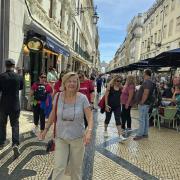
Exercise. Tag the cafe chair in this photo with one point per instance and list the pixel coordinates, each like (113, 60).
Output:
(168, 115)
(177, 118)
(154, 115)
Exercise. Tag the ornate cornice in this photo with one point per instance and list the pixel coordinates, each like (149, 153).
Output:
(40, 15)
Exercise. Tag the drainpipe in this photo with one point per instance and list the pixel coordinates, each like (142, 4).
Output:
(4, 31)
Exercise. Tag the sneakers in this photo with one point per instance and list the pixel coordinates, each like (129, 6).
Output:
(35, 129)
(121, 138)
(16, 151)
(136, 138)
(129, 130)
(105, 134)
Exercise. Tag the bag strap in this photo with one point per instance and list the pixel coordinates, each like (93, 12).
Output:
(56, 104)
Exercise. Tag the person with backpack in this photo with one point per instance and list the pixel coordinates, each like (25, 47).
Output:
(144, 99)
(113, 104)
(127, 96)
(41, 92)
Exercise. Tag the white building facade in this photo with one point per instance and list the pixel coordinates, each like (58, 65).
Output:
(150, 33)
(65, 28)
(161, 29)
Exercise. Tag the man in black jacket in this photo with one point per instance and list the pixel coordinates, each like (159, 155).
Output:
(10, 84)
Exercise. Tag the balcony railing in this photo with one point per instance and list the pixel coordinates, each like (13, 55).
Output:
(82, 53)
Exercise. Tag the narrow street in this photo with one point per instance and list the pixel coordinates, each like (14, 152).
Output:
(156, 157)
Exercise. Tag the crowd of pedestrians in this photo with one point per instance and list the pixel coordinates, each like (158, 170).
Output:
(68, 102)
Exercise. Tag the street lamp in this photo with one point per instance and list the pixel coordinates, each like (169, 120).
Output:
(81, 10)
(95, 18)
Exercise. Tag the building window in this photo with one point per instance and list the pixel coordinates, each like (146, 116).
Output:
(170, 27)
(166, 10)
(151, 39)
(145, 45)
(149, 42)
(159, 35)
(161, 15)
(81, 13)
(142, 45)
(152, 23)
(173, 2)
(51, 9)
(157, 19)
(178, 24)
(155, 37)
(61, 14)
(164, 31)
(73, 33)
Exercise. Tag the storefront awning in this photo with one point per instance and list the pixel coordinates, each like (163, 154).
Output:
(56, 47)
(35, 30)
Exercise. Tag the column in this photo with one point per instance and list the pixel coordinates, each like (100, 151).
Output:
(4, 31)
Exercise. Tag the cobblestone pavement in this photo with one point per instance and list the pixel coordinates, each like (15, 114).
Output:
(156, 157)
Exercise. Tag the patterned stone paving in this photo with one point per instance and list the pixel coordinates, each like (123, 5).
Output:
(106, 169)
(157, 157)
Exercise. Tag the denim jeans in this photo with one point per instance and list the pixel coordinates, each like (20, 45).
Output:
(14, 121)
(143, 120)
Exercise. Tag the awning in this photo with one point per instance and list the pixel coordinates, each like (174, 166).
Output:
(56, 47)
(165, 59)
(35, 30)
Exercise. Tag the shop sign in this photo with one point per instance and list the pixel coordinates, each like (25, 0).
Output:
(35, 44)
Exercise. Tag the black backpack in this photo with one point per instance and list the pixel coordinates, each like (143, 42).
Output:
(155, 96)
(40, 93)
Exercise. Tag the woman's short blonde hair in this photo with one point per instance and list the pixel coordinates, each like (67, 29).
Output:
(114, 79)
(67, 76)
(131, 79)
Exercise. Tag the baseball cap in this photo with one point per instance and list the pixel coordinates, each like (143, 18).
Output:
(10, 62)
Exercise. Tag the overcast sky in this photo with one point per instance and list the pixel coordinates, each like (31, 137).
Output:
(114, 18)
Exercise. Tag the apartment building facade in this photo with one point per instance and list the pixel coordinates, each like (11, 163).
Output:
(43, 33)
(150, 33)
(161, 29)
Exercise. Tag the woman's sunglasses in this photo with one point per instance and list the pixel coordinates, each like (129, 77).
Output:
(43, 77)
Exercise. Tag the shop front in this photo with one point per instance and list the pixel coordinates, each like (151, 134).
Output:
(41, 51)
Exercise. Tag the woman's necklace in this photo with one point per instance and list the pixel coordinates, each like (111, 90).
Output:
(66, 119)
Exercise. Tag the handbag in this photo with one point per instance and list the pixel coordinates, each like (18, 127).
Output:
(51, 143)
(101, 104)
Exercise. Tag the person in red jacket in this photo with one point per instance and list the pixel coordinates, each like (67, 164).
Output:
(57, 86)
(86, 88)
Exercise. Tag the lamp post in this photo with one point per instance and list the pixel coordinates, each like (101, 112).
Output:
(82, 10)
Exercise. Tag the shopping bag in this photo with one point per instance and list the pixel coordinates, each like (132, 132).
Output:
(101, 104)
(51, 143)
